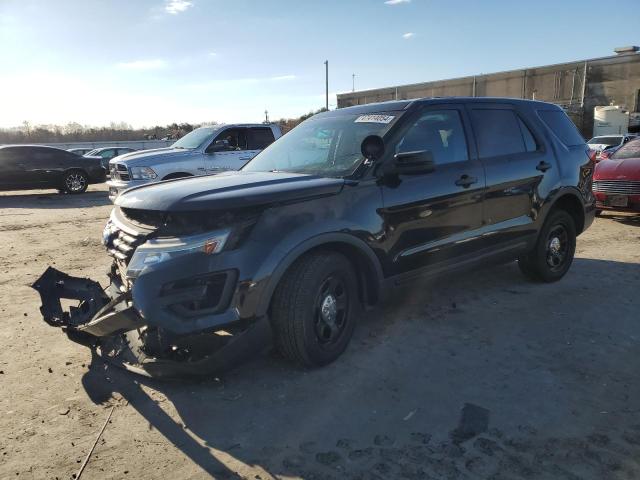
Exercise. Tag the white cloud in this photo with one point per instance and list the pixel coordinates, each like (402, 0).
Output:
(283, 77)
(143, 65)
(175, 7)
(396, 2)
(213, 54)
(408, 35)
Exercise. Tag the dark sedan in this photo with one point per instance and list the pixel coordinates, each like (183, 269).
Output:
(24, 167)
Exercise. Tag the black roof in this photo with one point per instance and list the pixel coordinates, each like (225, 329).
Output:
(395, 105)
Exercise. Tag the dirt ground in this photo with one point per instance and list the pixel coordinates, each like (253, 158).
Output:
(481, 375)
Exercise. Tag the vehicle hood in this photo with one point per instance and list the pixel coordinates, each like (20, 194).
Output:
(627, 169)
(145, 158)
(229, 190)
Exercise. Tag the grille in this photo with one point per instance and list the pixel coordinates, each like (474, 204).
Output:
(120, 172)
(622, 187)
(121, 245)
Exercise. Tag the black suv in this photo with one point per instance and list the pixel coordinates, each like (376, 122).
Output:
(24, 167)
(322, 224)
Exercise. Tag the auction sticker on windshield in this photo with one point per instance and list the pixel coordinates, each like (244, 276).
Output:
(374, 119)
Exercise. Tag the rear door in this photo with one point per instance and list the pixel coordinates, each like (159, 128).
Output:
(433, 219)
(519, 168)
(232, 158)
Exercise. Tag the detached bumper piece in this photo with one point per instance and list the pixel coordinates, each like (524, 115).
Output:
(97, 315)
(111, 325)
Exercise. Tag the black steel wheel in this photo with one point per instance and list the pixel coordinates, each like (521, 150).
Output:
(314, 309)
(553, 254)
(75, 181)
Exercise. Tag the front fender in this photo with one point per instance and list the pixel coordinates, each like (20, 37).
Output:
(276, 265)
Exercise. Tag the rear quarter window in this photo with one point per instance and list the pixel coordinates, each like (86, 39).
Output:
(562, 127)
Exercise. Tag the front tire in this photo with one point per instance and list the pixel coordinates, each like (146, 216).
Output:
(553, 254)
(75, 181)
(314, 309)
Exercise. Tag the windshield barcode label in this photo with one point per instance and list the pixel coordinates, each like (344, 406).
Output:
(374, 119)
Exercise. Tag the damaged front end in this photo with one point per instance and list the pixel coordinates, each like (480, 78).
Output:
(170, 307)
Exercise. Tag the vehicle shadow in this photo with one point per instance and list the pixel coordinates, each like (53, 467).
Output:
(54, 200)
(392, 402)
(626, 219)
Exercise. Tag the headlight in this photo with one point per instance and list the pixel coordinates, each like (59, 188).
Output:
(143, 173)
(156, 251)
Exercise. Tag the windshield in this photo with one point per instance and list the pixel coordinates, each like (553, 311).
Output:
(605, 141)
(325, 146)
(630, 150)
(194, 139)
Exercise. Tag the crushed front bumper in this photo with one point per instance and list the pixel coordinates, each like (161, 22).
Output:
(108, 321)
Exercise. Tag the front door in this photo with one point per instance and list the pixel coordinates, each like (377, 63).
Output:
(233, 157)
(433, 219)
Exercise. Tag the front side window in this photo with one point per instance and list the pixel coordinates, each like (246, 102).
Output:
(497, 132)
(628, 150)
(440, 132)
(326, 146)
(235, 137)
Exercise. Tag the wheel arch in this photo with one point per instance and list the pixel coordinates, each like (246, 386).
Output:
(366, 266)
(569, 201)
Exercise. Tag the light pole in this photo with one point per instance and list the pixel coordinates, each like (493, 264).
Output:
(353, 79)
(326, 84)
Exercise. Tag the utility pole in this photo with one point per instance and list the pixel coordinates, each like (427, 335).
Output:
(353, 79)
(326, 85)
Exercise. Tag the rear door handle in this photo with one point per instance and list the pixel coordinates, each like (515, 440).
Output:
(543, 166)
(466, 181)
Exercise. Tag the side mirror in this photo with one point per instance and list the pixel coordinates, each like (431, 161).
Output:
(413, 163)
(219, 146)
(372, 148)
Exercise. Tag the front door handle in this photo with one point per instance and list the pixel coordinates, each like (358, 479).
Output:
(543, 166)
(466, 181)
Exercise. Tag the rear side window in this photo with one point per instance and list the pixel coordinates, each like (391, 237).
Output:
(562, 127)
(500, 132)
(260, 138)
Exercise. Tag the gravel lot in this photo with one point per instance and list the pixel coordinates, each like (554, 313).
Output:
(481, 375)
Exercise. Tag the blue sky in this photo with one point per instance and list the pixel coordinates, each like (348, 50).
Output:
(149, 62)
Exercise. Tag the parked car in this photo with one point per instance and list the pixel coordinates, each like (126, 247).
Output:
(606, 142)
(107, 153)
(24, 167)
(203, 151)
(616, 184)
(324, 223)
(79, 151)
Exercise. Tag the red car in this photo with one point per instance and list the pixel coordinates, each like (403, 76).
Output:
(616, 180)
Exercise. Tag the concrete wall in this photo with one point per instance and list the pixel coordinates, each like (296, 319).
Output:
(608, 80)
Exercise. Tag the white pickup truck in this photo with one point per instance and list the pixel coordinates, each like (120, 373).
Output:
(204, 151)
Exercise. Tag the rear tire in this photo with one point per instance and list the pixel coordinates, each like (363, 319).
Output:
(314, 309)
(553, 254)
(75, 181)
